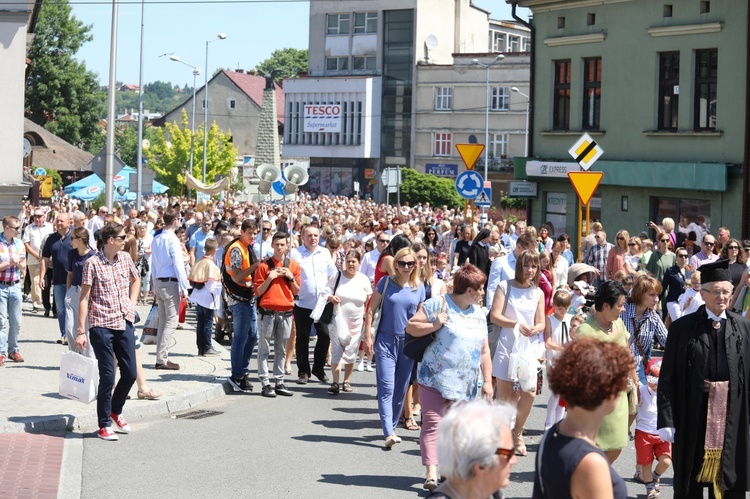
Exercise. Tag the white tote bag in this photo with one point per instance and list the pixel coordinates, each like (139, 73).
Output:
(340, 327)
(79, 377)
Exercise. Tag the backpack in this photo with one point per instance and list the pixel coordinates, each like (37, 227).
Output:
(237, 291)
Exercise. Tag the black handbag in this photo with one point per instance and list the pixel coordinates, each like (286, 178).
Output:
(327, 316)
(415, 346)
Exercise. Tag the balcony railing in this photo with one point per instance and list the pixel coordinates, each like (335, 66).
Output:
(503, 165)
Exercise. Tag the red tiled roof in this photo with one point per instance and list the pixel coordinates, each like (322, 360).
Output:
(253, 86)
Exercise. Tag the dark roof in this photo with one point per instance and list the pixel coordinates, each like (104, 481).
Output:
(50, 151)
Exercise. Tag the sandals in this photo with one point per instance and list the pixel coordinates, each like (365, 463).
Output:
(518, 443)
(149, 395)
(346, 387)
(410, 424)
(430, 484)
(334, 389)
(391, 441)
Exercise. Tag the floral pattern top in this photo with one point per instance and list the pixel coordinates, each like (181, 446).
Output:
(451, 363)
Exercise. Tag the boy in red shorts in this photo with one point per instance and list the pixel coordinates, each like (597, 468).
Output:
(648, 445)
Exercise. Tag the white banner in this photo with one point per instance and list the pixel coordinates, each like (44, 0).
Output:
(322, 118)
(550, 169)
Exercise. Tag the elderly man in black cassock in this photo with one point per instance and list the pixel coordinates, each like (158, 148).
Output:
(703, 394)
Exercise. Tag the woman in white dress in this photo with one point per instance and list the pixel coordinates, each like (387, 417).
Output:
(353, 291)
(518, 308)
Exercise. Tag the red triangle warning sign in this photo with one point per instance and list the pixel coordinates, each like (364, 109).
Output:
(585, 184)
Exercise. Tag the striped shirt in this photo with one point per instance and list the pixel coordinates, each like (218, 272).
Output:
(109, 304)
(700, 258)
(597, 258)
(644, 330)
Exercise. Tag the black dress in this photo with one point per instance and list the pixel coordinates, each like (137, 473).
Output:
(462, 250)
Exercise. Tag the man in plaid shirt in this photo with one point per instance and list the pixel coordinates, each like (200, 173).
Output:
(12, 262)
(110, 287)
(597, 256)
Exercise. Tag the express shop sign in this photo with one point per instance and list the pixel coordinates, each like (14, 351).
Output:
(322, 118)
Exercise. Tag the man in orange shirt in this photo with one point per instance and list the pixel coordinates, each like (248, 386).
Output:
(276, 282)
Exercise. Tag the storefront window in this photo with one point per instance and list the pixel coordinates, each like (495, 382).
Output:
(688, 214)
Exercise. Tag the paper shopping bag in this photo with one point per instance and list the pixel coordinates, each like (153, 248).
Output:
(183, 311)
(79, 377)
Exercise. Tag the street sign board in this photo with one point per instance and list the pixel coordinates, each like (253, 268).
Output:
(521, 189)
(585, 151)
(469, 184)
(391, 177)
(484, 198)
(441, 170)
(40, 172)
(585, 183)
(470, 153)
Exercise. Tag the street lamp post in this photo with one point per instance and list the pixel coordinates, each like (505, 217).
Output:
(526, 135)
(498, 58)
(220, 36)
(196, 72)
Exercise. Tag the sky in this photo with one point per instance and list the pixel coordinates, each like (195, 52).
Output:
(254, 29)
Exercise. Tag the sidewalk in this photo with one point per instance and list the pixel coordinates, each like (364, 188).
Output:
(29, 390)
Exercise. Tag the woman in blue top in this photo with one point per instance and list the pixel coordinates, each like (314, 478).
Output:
(588, 376)
(77, 257)
(457, 362)
(401, 293)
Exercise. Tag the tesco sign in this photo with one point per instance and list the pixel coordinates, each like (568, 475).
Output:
(322, 118)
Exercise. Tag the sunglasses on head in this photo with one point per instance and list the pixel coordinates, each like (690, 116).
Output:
(405, 265)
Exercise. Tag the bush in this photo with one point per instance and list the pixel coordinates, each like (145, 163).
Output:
(426, 188)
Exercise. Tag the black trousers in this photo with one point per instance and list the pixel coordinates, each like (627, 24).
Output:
(304, 325)
(47, 290)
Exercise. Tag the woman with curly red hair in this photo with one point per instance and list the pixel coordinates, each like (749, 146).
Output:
(588, 376)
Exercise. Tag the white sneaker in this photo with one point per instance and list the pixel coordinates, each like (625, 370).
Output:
(369, 368)
(361, 366)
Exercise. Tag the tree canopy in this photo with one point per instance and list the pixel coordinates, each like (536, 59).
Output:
(426, 188)
(290, 61)
(168, 153)
(61, 94)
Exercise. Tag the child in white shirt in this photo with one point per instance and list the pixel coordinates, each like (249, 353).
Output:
(691, 299)
(557, 332)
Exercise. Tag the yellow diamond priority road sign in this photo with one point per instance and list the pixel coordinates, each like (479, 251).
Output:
(586, 151)
(470, 153)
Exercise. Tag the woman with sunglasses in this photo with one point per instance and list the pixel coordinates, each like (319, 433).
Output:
(518, 308)
(662, 258)
(431, 240)
(733, 251)
(385, 265)
(588, 376)
(616, 256)
(401, 294)
(77, 257)
(632, 259)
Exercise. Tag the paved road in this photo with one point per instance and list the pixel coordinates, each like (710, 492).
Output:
(309, 444)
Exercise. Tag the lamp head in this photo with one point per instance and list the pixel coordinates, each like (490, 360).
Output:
(222, 36)
(514, 89)
(499, 57)
(475, 61)
(175, 58)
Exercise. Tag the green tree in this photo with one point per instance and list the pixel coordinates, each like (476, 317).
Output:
(169, 153)
(61, 94)
(426, 188)
(290, 61)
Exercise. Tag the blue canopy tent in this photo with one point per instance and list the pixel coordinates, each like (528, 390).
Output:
(80, 189)
(88, 193)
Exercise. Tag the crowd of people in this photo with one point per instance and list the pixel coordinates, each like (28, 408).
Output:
(445, 310)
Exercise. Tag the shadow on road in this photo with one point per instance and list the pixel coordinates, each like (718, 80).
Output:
(380, 481)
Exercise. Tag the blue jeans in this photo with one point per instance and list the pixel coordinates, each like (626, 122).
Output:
(108, 344)
(59, 292)
(11, 300)
(204, 328)
(244, 338)
(392, 375)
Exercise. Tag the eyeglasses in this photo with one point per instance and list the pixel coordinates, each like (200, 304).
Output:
(406, 265)
(383, 241)
(597, 237)
(682, 255)
(267, 229)
(735, 248)
(719, 292)
(632, 244)
(121, 238)
(506, 453)
(709, 244)
(620, 238)
(664, 240)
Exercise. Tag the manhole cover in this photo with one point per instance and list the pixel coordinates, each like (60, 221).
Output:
(198, 414)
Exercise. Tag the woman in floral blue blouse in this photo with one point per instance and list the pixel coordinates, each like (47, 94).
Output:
(456, 365)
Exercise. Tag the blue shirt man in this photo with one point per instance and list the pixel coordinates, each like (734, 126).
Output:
(198, 241)
(55, 253)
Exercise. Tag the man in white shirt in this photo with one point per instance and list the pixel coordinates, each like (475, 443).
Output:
(98, 221)
(32, 239)
(317, 267)
(170, 283)
(263, 242)
(370, 260)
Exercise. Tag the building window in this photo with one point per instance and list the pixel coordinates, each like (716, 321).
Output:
(669, 89)
(337, 63)
(337, 24)
(705, 7)
(443, 98)
(706, 66)
(443, 144)
(365, 22)
(560, 23)
(498, 42)
(592, 92)
(366, 63)
(527, 44)
(590, 19)
(667, 11)
(232, 104)
(500, 99)
(499, 145)
(561, 106)
(514, 43)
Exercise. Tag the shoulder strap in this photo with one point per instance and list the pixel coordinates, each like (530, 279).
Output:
(565, 334)
(336, 286)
